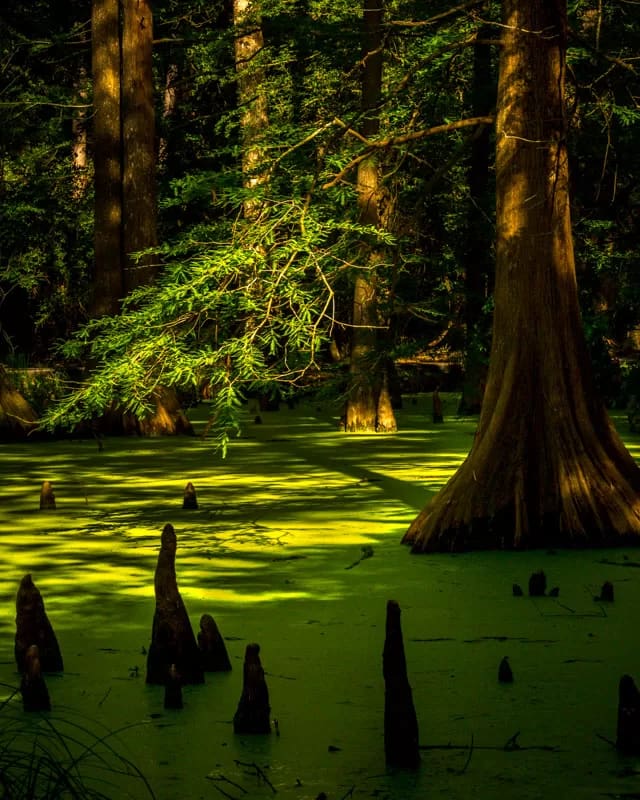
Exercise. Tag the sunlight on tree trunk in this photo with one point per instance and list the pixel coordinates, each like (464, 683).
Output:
(252, 99)
(79, 158)
(169, 108)
(547, 467)
(17, 417)
(368, 403)
(107, 285)
(138, 137)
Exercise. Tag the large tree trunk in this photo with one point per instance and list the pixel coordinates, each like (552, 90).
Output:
(364, 412)
(107, 284)
(138, 138)
(547, 467)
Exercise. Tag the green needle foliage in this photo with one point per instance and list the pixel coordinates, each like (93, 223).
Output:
(251, 313)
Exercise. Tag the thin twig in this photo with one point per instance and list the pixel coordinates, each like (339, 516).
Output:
(105, 695)
(220, 778)
(259, 773)
(608, 741)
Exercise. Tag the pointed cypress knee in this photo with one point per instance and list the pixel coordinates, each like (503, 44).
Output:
(172, 637)
(628, 732)
(401, 739)
(212, 646)
(190, 500)
(33, 627)
(253, 712)
(537, 584)
(606, 593)
(505, 673)
(47, 497)
(35, 695)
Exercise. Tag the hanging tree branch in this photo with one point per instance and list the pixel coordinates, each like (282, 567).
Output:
(394, 141)
(451, 12)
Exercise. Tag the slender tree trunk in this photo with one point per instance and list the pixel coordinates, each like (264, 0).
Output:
(169, 107)
(79, 157)
(138, 135)
(125, 182)
(368, 404)
(252, 99)
(547, 467)
(107, 285)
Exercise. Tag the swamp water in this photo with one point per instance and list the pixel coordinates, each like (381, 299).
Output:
(274, 554)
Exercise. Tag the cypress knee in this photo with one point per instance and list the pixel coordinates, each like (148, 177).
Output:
(606, 593)
(47, 497)
(212, 646)
(172, 637)
(437, 406)
(33, 628)
(628, 730)
(35, 695)
(401, 739)
(173, 689)
(190, 500)
(252, 714)
(537, 584)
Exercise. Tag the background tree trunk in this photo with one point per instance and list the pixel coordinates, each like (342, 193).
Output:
(252, 99)
(107, 283)
(79, 158)
(138, 136)
(366, 368)
(17, 417)
(547, 467)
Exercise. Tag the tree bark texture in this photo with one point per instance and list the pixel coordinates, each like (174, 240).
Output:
(34, 628)
(35, 695)
(546, 467)
(138, 134)
(17, 417)
(252, 99)
(107, 288)
(79, 156)
(366, 368)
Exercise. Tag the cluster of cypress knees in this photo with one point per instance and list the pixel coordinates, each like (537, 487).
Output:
(628, 722)
(176, 658)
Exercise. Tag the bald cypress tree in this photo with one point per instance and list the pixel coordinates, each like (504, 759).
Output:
(547, 466)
